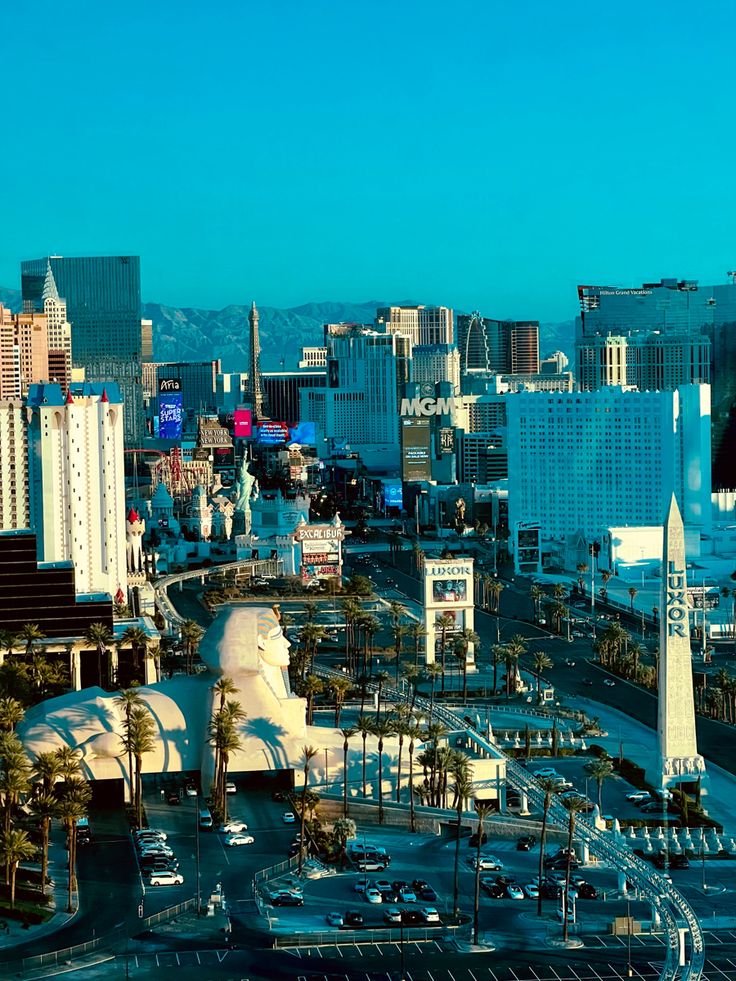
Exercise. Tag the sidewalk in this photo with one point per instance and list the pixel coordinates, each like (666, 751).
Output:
(14, 932)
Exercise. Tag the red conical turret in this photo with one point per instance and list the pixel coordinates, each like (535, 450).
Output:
(69, 399)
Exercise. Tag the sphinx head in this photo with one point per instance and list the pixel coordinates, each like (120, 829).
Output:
(241, 638)
(272, 644)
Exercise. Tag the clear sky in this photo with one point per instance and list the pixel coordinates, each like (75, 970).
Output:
(481, 154)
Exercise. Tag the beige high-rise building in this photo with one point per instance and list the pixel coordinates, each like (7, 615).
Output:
(9, 358)
(424, 325)
(14, 506)
(32, 341)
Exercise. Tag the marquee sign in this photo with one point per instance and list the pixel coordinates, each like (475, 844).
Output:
(676, 616)
(320, 533)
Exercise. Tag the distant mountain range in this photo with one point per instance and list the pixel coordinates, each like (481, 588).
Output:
(191, 334)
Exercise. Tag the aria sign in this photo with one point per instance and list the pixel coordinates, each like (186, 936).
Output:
(676, 613)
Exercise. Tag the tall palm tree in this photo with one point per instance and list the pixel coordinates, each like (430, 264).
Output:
(30, 634)
(464, 639)
(633, 593)
(70, 762)
(347, 733)
(433, 670)
(383, 728)
(400, 721)
(444, 623)
(225, 737)
(549, 787)
(340, 688)
(139, 740)
(365, 726)
(416, 632)
(382, 677)
(311, 687)
(510, 658)
(574, 805)
(15, 847)
(9, 640)
(44, 808)
(47, 769)
(600, 769)
(100, 637)
(415, 734)
(483, 809)
(14, 782)
(498, 656)
(11, 713)
(311, 635)
(127, 700)
(412, 675)
(138, 640)
(542, 662)
(223, 687)
(73, 805)
(308, 754)
(191, 634)
(463, 788)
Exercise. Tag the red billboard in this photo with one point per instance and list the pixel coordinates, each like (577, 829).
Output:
(243, 423)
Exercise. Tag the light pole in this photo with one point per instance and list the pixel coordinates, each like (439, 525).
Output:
(629, 969)
(196, 852)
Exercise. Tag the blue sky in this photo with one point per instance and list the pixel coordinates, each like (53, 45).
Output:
(481, 154)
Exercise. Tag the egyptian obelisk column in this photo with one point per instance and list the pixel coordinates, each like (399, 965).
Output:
(677, 758)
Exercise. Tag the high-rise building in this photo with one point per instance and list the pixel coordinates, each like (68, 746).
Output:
(14, 505)
(677, 308)
(254, 391)
(282, 391)
(198, 383)
(103, 305)
(585, 461)
(647, 361)
(26, 353)
(76, 482)
(423, 325)
(498, 346)
(433, 363)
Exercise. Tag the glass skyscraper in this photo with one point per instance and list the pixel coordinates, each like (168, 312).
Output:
(103, 301)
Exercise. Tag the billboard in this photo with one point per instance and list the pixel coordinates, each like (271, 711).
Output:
(416, 458)
(447, 439)
(272, 432)
(242, 423)
(321, 551)
(170, 408)
(393, 495)
(449, 591)
(304, 433)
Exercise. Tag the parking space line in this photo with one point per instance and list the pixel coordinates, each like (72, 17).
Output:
(715, 937)
(492, 974)
(357, 947)
(472, 975)
(430, 975)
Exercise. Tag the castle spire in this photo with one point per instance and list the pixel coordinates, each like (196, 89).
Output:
(254, 391)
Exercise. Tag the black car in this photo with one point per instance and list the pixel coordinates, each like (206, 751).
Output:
(587, 891)
(159, 865)
(353, 918)
(560, 864)
(587, 682)
(411, 917)
(173, 799)
(551, 890)
(493, 890)
(473, 839)
(287, 899)
(428, 894)
(278, 795)
(505, 880)
(419, 884)
(526, 843)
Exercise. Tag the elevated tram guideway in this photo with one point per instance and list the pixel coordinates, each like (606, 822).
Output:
(685, 959)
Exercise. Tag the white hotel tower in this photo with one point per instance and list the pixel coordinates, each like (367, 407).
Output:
(76, 482)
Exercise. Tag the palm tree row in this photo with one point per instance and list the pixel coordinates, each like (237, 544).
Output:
(225, 736)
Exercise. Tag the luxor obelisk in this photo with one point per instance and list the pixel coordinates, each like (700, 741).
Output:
(677, 759)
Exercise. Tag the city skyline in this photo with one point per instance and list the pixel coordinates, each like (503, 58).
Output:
(370, 151)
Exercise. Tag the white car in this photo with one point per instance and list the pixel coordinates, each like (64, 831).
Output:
(289, 817)
(230, 788)
(486, 863)
(157, 846)
(407, 895)
(609, 682)
(430, 914)
(334, 919)
(151, 833)
(166, 878)
(392, 915)
(639, 795)
(548, 773)
(373, 895)
(232, 840)
(532, 890)
(514, 892)
(233, 827)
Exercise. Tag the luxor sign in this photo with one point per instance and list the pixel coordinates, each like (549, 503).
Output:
(447, 570)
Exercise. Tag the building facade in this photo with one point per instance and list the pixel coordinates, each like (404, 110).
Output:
(14, 502)
(432, 363)
(76, 482)
(498, 346)
(647, 361)
(422, 325)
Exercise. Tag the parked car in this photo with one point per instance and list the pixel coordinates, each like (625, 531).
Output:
(190, 788)
(230, 788)
(286, 899)
(334, 919)
(157, 851)
(373, 895)
(546, 773)
(362, 884)
(525, 843)
(167, 877)
(658, 807)
(238, 839)
(353, 918)
(392, 915)
(514, 891)
(407, 895)
(492, 889)
(428, 894)
(587, 891)
(429, 914)
(411, 917)
(531, 889)
(151, 833)
(550, 890)
(486, 863)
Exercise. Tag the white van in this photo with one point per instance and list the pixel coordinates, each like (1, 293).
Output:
(205, 818)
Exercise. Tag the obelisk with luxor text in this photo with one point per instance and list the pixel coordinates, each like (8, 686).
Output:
(677, 760)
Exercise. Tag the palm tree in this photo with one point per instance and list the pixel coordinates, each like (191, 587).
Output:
(582, 569)
(30, 634)
(340, 688)
(100, 636)
(482, 808)
(542, 662)
(365, 726)
(191, 634)
(138, 740)
(574, 805)
(600, 769)
(312, 686)
(224, 736)
(465, 638)
(548, 786)
(400, 727)
(633, 593)
(416, 632)
(44, 808)
(433, 670)
(498, 656)
(14, 781)
(412, 675)
(73, 805)
(311, 635)
(11, 713)
(383, 728)
(310, 611)
(308, 754)
(127, 700)
(347, 734)
(47, 768)
(221, 689)
(510, 658)
(444, 623)
(382, 677)
(9, 640)
(138, 640)
(70, 762)
(343, 829)
(537, 594)
(415, 734)
(517, 648)
(463, 788)
(15, 847)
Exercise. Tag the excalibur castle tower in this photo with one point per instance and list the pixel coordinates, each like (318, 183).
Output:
(677, 757)
(254, 391)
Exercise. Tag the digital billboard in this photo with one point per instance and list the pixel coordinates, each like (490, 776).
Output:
(170, 408)
(242, 423)
(274, 433)
(304, 433)
(449, 590)
(393, 495)
(416, 461)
